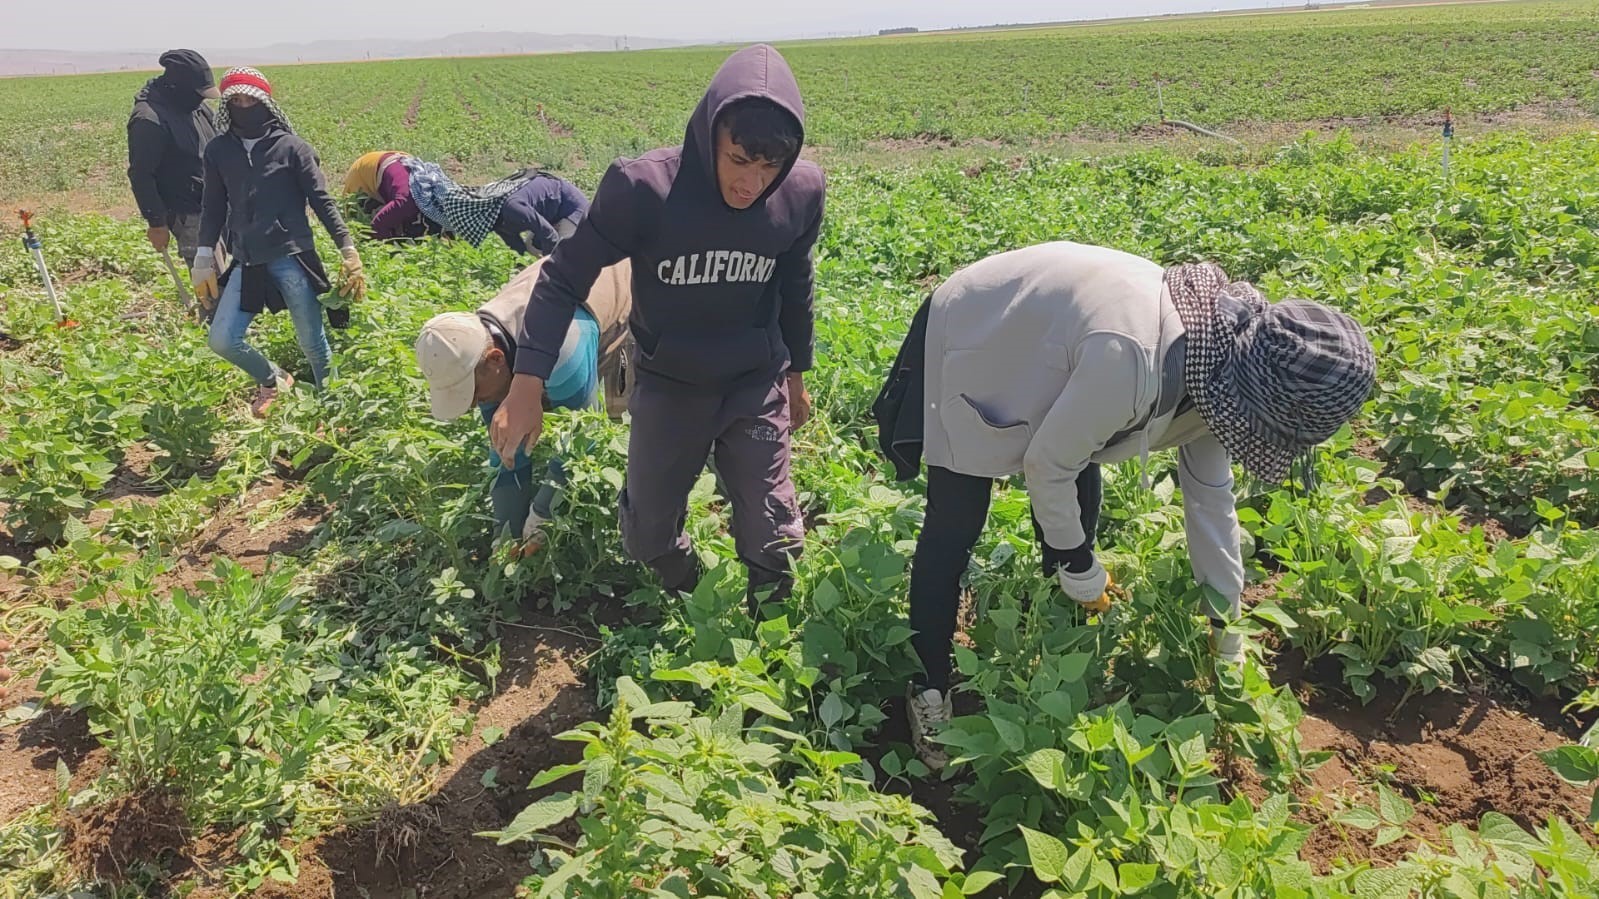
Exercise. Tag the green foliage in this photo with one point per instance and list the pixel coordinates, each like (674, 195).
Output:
(204, 692)
(697, 804)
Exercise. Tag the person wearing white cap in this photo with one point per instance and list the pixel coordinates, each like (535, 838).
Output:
(468, 358)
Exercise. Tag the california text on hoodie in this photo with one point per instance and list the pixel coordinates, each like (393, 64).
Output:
(722, 297)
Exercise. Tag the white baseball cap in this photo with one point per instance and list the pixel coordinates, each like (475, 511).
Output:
(448, 350)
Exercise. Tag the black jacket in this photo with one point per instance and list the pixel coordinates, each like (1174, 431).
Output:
(164, 147)
(261, 197)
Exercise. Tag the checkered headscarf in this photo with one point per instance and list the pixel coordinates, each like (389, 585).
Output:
(1271, 380)
(466, 212)
(251, 83)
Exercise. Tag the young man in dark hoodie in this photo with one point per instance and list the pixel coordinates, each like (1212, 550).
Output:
(720, 232)
(167, 131)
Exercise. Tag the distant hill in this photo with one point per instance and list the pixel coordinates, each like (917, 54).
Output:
(474, 43)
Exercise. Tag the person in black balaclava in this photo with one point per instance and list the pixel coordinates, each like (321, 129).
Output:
(168, 130)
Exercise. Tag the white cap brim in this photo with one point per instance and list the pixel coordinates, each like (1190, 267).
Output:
(451, 401)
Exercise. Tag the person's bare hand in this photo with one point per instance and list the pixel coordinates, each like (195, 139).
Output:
(158, 237)
(799, 400)
(519, 422)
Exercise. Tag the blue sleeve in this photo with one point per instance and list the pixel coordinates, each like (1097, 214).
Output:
(574, 381)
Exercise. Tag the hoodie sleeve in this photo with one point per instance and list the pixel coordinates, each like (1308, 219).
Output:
(147, 142)
(607, 235)
(520, 213)
(1100, 399)
(796, 315)
(1210, 518)
(315, 188)
(214, 199)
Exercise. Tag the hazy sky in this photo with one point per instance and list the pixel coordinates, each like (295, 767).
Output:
(139, 24)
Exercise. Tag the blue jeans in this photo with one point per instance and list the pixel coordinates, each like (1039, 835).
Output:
(573, 384)
(231, 323)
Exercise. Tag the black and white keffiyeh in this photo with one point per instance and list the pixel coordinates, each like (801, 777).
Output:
(466, 212)
(1271, 380)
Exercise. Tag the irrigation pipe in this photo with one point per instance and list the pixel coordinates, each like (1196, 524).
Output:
(1205, 131)
(1160, 101)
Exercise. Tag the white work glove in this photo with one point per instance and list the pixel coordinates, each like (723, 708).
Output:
(204, 277)
(1227, 645)
(533, 535)
(1089, 589)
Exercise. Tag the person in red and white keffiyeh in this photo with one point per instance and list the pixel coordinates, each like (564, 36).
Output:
(260, 177)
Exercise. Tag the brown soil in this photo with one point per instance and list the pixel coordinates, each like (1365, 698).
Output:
(413, 111)
(430, 849)
(232, 537)
(1455, 757)
(30, 752)
(109, 841)
(466, 105)
(556, 127)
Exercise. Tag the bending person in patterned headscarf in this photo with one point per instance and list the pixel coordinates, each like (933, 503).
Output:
(531, 211)
(1051, 360)
(383, 183)
(259, 178)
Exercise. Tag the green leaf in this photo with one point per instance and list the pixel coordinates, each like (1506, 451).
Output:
(978, 881)
(1360, 817)
(922, 883)
(1388, 835)
(492, 735)
(490, 779)
(598, 777)
(1503, 833)
(537, 818)
(1136, 876)
(966, 661)
(1011, 733)
(1395, 810)
(762, 703)
(832, 710)
(551, 775)
(1575, 764)
(1046, 854)
(1273, 613)
(631, 693)
(555, 884)
(1044, 764)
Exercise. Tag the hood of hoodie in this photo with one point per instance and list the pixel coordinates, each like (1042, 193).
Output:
(757, 71)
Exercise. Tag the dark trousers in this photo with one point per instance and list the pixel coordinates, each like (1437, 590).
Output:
(671, 436)
(957, 507)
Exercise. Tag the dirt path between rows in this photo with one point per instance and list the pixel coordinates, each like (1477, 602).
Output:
(1453, 756)
(430, 850)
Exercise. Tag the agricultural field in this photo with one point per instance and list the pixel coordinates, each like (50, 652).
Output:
(282, 657)
(61, 139)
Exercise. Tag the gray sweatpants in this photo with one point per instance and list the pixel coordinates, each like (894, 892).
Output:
(672, 434)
